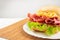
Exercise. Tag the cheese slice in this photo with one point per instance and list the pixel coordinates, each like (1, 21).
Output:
(49, 11)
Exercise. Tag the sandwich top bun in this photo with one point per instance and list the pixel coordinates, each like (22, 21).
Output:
(49, 11)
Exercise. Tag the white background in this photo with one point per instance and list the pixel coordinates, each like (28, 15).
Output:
(20, 8)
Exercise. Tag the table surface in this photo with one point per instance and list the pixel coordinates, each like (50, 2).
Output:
(15, 32)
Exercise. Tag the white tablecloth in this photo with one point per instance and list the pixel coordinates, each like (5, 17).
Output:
(8, 21)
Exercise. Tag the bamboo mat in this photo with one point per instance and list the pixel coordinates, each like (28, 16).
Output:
(15, 32)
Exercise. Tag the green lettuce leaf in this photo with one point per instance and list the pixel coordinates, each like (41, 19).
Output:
(51, 30)
(48, 29)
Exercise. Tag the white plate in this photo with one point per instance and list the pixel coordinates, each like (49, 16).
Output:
(39, 34)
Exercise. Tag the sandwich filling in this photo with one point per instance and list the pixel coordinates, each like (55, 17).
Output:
(45, 21)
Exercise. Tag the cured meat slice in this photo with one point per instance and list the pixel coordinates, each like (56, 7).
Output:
(44, 19)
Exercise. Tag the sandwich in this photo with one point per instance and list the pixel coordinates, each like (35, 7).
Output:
(45, 20)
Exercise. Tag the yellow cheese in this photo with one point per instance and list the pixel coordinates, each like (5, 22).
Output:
(48, 13)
